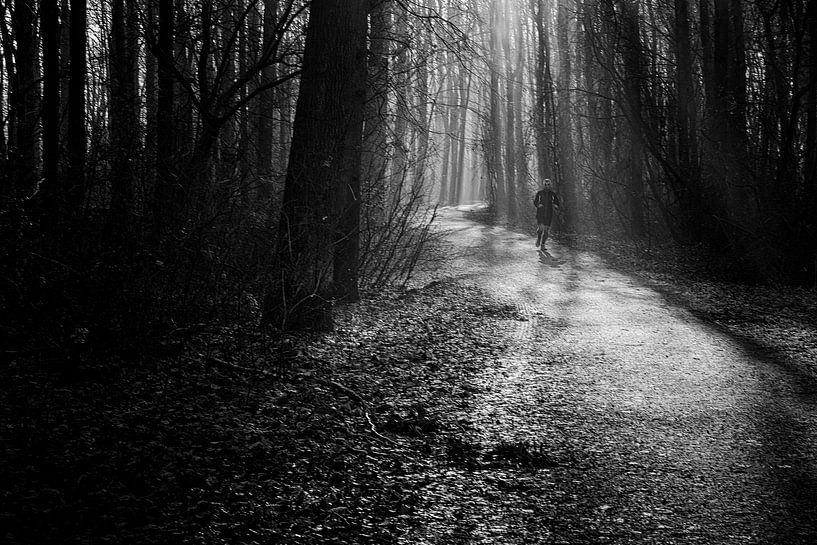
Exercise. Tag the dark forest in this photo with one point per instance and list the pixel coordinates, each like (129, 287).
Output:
(231, 198)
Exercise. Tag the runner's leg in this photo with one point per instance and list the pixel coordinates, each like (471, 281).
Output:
(545, 232)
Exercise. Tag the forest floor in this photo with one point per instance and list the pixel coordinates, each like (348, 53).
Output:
(596, 395)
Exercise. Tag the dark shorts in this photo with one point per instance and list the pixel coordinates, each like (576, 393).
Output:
(542, 216)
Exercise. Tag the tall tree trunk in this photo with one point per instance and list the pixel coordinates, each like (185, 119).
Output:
(227, 148)
(402, 98)
(347, 187)
(77, 139)
(167, 185)
(124, 111)
(633, 77)
(720, 63)
(544, 160)
(494, 133)
(423, 121)
(65, 84)
(250, 129)
(455, 196)
(523, 174)
(454, 107)
(567, 178)
(4, 166)
(323, 165)
(49, 25)
(736, 78)
(445, 177)
(811, 113)
(510, 115)
(687, 116)
(25, 99)
(266, 127)
(375, 158)
(688, 187)
(706, 34)
(151, 111)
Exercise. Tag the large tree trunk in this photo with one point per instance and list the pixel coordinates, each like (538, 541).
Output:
(522, 171)
(376, 153)
(494, 132)
(448, 114)
(688, 187)
(633, 77)
(323, 166)
(49, 25)
(452, 129)
(423, 121)
(151, 113)
(510, 116)
(25, 100)
(455, 195)
(566, 170)
(4, 166)
(402, 99)
(124, 111)
(541, 116)
(266, 127)
(810, 168)
(77, 140)
(167, 189)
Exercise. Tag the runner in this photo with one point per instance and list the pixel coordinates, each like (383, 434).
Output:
(546, 203)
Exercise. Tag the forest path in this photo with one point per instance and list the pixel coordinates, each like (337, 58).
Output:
(632, 421)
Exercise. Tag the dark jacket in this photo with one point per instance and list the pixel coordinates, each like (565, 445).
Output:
(547, 199)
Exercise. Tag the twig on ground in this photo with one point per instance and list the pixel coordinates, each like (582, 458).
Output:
(231, 364)
(357, 397)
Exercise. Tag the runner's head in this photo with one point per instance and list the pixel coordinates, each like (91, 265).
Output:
(547, 184)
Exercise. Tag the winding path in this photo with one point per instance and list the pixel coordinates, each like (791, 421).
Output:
(660, 428)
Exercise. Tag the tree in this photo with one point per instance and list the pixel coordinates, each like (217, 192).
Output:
(77, 139)
(125, 123)
(49, 30)
(320, 208)
(24, 101)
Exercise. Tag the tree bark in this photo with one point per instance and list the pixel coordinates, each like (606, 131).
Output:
(124, 112)
(509, 143)
(494, 133)
(25, 100)
(811, 113)
(167, 185)
(566, 170)
(540, 113)
(402, 99)
(376, 153)
(49, 25)
(634, 76)
(324, 161)
(266, 127)
(77, 139)
(455, 196)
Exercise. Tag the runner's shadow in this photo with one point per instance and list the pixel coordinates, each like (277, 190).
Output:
(548, 259)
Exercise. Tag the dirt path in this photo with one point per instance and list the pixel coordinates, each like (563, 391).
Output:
(634, 422)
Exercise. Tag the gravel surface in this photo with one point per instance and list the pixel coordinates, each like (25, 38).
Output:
(628, 419)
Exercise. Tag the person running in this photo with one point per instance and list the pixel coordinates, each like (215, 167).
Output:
(546, 203)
